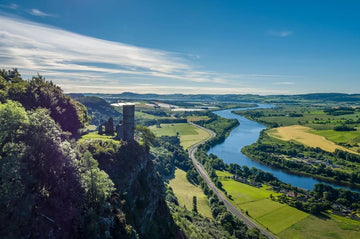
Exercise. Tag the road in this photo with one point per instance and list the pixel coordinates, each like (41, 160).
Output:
(211, 185)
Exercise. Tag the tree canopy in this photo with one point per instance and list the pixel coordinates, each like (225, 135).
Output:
(40, 93)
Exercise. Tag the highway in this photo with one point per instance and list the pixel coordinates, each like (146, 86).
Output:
(211, 185)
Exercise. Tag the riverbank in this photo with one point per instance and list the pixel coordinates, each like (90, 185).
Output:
(334, 183)
(248, 133)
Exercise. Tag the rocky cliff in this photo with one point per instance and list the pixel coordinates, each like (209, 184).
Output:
(139, 188)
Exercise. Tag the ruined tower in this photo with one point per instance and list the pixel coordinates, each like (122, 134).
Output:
(129, 122)
(125, 129)
(107, 127)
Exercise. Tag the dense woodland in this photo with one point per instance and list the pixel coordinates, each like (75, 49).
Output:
(55, 187)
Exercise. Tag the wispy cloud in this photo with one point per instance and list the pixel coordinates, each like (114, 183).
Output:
(71, 59)
(170, 90)
(12, 6)
(284, 83)
(38, 13)
(283, 33)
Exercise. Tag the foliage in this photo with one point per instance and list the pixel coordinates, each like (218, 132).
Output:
(339, 111)
(38, 92)
(98, 185)
(41, 192)
(344, 128)
(185, 191)
(194, 209)
(193, 225)
(167, 154)
(231, 224)
(268, 152)
(146, 135)
(99, 109)
(138, 188)
(50, 188)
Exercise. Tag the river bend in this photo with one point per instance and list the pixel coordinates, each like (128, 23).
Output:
(245, 134)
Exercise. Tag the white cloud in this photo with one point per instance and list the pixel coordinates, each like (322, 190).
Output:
(284, 83)
(283, 33)
(13, 6)
(169, 90)
(38, 13)
(10, 6)
(79, 63)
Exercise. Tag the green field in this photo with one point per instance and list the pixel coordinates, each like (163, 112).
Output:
(332, 227)
(185, 192)
(339, 136)
(143, 115)
(313, 117)
(197, 118)
(95, 135)
(189, 134)
(270, 214)
(283, 220)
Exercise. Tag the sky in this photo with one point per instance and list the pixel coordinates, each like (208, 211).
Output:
(185, 46)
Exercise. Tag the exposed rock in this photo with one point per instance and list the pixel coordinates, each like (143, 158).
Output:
(137, 183)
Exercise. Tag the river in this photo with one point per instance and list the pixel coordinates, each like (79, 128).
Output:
(247, 133)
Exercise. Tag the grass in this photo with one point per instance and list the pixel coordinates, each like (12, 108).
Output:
(91, 127)
(256, 201)
(139, 114)
(313, 117)
(189, 134)
(304, 135)
(332, 227)
(339, 136)
(283, 220)
(185, 191)
(95, 135)
(197, 118)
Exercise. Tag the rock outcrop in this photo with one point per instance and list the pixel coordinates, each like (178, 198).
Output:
(141, 190)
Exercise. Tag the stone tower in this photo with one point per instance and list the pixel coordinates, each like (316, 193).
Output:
(129, 122)
(125, 129)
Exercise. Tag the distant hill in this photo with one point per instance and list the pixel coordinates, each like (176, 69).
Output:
(99, 109)
(300, 98)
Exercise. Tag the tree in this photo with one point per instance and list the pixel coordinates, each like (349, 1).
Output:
(15, 201)
(13, 118)
(98, 185)
(38, 92)
(194, 204)
(147, 136)
(41, 192)
(4, 85)
(57, 187)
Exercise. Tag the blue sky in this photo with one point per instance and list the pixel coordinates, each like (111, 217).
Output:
(218, 47)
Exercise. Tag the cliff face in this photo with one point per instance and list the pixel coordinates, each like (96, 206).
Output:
(140, 189)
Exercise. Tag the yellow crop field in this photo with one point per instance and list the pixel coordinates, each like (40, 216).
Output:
(304, 136)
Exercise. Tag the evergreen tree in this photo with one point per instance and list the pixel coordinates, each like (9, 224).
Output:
(194, 204)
